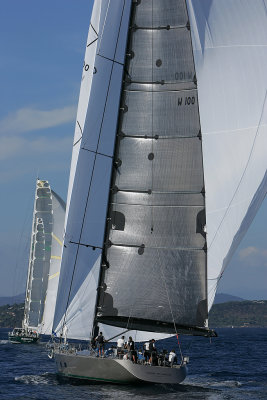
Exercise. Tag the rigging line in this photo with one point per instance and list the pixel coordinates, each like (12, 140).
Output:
(243, 174)
(96, 152)
(74, 144)
(157, 137)
(157, 28)
(144, 90)
(119, 334)
(93, 28)
(80, 127)
(93, 41)
(110, 59)
(170, 306)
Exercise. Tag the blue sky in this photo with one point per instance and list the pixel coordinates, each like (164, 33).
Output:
(42, 48)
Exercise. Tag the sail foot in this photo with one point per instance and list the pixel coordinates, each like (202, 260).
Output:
(155, 326)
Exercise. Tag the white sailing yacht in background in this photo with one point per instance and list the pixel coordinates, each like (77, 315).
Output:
(44, 265)
(168, 170)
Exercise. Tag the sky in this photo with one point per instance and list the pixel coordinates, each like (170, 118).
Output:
(42, 49)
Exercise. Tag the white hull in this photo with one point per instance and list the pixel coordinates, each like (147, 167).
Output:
(116, 371)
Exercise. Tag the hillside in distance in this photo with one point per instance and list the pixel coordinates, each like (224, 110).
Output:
(235, 313)
(11, 315)
(224, 298)
(239, 314)
(17, 299)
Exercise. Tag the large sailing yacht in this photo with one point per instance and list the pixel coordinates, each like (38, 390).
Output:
(44, 265)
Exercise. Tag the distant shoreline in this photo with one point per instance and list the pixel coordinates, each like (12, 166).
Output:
(237, 314)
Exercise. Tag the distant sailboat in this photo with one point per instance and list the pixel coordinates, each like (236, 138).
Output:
(44, 265)
(168, 170)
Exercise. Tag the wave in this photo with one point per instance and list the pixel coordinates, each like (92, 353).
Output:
(4, 341)
(44, 379)
(205, 381)
(227, 383)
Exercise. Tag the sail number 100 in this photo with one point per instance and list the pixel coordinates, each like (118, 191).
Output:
(187, 101)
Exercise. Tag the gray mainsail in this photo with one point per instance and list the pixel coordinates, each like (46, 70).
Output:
(44, 260)
(154, 273)
(39, 262)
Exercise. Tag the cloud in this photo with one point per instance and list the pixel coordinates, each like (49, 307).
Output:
(249, 251)
(29, 119)
(12, 146)
(253, 256)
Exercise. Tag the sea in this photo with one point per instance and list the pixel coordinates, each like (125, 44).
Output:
(232, 366)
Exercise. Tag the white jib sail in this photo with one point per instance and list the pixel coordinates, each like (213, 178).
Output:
(58, 217)
(92, 163)
(230, 51)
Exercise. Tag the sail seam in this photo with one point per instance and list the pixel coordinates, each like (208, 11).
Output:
(157, 247)
(86, 245)
(159, 91)
(157, 137)
(157, 28)
(156, 192)
(158, 205)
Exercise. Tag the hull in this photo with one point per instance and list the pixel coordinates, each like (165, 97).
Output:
(22, 339)
(111, 370)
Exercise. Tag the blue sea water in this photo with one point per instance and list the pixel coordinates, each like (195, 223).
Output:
(232, 366)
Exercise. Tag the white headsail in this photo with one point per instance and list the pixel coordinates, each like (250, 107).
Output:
(58, 217)
(91, 167)
(230, 51)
